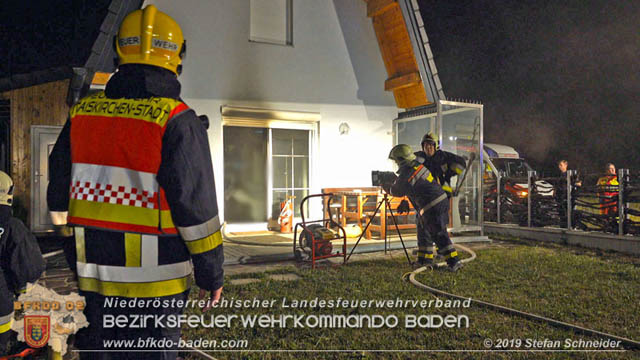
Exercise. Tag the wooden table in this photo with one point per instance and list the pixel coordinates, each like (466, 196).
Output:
(364, 208)
(344, 213)
(386, 223)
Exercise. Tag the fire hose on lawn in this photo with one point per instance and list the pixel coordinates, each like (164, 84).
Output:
(412, 278)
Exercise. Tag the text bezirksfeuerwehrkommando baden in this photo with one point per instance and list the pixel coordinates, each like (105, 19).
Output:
(332, 321)
(286, 303)
(287, 320)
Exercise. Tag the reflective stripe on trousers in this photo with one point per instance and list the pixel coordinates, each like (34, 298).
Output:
(140, 277)
(448, 252)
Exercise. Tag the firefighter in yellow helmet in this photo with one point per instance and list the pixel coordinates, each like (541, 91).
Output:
(443, 164)
(151, 37)
(20, 258)
(418, 183)
(132, 173)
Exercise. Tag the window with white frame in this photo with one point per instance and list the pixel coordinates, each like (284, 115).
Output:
(270, 21)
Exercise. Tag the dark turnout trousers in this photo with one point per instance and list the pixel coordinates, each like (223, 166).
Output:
(432, 228)
(135, 339)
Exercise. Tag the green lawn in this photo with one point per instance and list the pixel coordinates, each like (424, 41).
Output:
(595, 290)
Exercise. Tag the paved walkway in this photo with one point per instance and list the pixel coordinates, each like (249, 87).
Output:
(238, 252)
(234, 269)
(238, 257)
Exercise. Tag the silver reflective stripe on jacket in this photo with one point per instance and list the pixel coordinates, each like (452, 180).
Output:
(115, 176)
(432, 203)
(423, 173)
(200, 231)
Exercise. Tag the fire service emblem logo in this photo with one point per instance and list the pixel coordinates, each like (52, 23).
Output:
(36, 330)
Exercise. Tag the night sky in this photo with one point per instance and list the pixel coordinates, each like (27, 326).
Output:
(558, 79)
(43, 34)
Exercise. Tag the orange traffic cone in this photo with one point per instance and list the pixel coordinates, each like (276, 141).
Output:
(286, 216)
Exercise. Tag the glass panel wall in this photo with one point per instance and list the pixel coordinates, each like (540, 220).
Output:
(460, 131)
(410, 130)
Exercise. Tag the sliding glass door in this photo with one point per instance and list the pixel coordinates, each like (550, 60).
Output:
(262, 168)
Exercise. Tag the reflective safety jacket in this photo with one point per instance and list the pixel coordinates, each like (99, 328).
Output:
(115, 187)
(20, 263)
(136, 177)
(419, 184)
(608, 187)
(443, 165)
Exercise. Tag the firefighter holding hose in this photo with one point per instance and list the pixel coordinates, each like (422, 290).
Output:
(443, 165)
(132, 172)
(417, 182)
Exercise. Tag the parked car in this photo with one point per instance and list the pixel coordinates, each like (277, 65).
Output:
(506, 162)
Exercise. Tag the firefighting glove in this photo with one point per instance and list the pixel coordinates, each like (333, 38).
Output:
(403, 207)
(448, 190)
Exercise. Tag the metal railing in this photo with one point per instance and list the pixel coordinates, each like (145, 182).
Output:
(608, 204)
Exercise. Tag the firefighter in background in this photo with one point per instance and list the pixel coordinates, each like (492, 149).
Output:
(608, 191)
(132, 172)
(20, 259)
(443, 165)
(430, 201)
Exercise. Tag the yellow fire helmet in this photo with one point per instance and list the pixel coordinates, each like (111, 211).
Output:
(429, 138)
(6, 189)
(150, 37)
(402, 154)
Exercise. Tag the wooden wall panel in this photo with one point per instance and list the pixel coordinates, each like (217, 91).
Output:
(43, 104)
